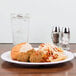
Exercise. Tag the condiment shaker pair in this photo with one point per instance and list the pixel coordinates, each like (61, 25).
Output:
(61, 37)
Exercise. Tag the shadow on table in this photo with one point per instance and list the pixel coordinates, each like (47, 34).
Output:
(36, 69)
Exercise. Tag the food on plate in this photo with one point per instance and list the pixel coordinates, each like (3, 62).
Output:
(22, 51)
(51, 52)
(36, 56)
(24, 56)
(45, 53)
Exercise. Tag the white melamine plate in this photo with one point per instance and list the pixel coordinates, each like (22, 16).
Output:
(6, 57)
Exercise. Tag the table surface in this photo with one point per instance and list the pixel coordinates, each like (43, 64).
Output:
(10, 69)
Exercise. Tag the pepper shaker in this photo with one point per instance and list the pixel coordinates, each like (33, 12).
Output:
(55, 35)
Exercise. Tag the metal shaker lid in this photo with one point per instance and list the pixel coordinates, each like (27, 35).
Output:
(56, 29)
(65, 30)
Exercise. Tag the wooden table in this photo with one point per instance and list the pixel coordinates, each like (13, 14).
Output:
(10, 69)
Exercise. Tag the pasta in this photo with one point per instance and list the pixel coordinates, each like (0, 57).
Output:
(55, 53)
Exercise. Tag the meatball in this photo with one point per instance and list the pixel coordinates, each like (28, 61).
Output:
(21, 52)
(36, 57)
(15, 51)
(24, 56)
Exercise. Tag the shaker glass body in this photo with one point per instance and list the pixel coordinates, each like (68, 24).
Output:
(65, 38)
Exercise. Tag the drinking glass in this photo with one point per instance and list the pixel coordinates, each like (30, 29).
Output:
(20, 27)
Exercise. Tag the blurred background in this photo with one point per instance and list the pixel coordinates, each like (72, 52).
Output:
(43, 14)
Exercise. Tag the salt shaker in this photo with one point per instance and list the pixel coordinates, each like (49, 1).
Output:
(55, 35)
(65, 38)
